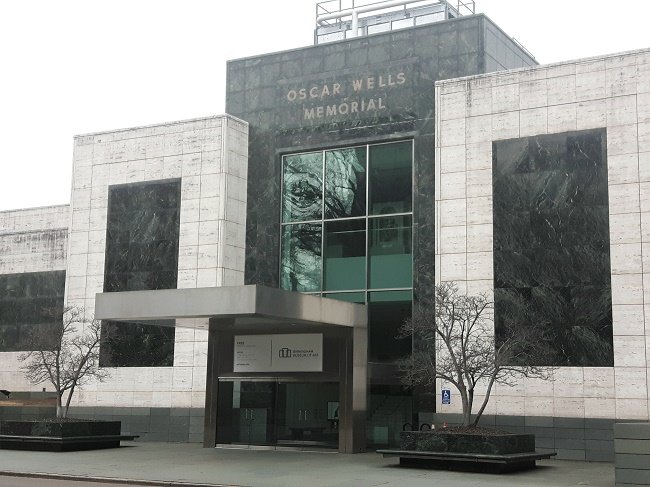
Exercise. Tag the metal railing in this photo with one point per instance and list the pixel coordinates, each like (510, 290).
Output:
(342, 19)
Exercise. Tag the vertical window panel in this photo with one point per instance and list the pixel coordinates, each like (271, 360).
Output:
(345, 183)
(387, 311)
(345, 255)
(302, 182)
(301, 257)
(390, 260)
(391, 182)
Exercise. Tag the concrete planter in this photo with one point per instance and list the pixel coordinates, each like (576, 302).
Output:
(632, 451)
(497, 453)
(71, 435)
(438, 441)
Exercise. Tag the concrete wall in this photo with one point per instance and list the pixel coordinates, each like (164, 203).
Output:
(31, 240)
(611, 92)
(34, 240)
(209, 155)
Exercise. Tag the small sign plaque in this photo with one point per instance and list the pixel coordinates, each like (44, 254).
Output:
(279, 353)
(446, 396)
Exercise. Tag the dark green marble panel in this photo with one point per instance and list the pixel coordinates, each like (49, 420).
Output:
(141, 254)
(551, 242)
(28, 303)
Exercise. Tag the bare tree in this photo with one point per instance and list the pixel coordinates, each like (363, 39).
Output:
(66, 354)
(454, 340)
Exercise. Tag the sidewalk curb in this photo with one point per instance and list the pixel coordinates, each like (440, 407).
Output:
(82, 478)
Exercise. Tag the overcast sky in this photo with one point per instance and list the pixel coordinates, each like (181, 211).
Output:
(76, 66)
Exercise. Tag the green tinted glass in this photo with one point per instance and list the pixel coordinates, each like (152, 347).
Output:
(345, 255)
(389, 248)
(387, 311)
(302, 180)
(345, 182)
(349, 297)
(391, 185)
(301, 257)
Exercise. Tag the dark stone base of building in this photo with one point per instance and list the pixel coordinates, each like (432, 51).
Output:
(632, 454)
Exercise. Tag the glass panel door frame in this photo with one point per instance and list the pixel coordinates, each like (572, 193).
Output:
(315, 424)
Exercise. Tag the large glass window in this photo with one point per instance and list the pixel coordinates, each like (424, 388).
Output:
(347, 233)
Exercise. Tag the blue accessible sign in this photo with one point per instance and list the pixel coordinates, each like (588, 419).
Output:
(446, 396)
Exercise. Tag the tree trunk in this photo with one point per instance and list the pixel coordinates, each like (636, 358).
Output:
(470, 405)
(485, 401)
(67, 402)
(465, 402)
(60, 412)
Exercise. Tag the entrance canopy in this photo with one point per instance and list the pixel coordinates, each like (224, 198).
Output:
(247, 306)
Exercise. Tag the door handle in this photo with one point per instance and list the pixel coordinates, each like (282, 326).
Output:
(299, 414)
(305, 414)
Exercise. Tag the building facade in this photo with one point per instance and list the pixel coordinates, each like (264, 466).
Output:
(255, 268)
(541, 177)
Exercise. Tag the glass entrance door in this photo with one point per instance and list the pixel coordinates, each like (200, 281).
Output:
(247, 412)
(283, 414)
(308, 414)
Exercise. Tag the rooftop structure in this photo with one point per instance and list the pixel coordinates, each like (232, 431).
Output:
(344, 19)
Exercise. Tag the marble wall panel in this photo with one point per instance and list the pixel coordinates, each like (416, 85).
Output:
(551, 237)
(29, 303)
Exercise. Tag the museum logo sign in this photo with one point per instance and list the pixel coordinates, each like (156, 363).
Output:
(300, 352)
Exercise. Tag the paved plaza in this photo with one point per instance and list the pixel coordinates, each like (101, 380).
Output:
(178, 463)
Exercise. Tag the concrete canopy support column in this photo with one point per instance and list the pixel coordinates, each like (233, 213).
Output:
(359, 386)
(354, 384)
(215, 341)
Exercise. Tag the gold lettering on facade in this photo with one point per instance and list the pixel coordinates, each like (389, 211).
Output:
(357, 86)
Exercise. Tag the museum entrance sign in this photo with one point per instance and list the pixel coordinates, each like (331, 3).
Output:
(302, 352)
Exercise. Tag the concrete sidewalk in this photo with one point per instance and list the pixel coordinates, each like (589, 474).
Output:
(179, 463)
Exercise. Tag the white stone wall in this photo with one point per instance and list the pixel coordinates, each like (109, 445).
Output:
(31, 240)
(209, 155)
(34, 240)
(612, 92)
